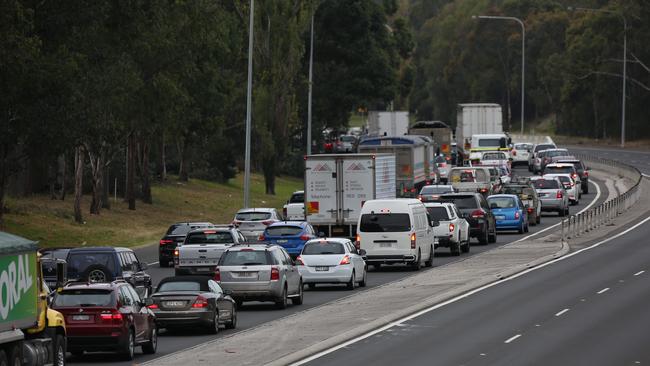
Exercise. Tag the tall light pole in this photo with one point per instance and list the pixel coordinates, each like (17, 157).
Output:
(624, 60)
(311, 68)
(247, 156)
(523, 56)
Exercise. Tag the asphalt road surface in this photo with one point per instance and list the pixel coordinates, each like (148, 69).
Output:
(253, 314)
(638, 159)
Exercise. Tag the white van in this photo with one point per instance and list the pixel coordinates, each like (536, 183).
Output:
(396, 231)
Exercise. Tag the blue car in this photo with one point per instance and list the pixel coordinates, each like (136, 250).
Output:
(509, 212)
(291, 235)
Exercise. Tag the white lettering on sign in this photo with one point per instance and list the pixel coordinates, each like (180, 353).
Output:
(15, 281)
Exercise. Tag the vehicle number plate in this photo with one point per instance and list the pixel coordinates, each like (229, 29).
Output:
(283, 241)
(203, 269)
(542, 194)
(80, 317)
(174, 304)
(385, 245)
(322, 268)
(500, 217)
(246, 274)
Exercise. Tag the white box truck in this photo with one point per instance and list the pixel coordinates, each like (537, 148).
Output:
(337, 186)
(475, 119)
(381, 123)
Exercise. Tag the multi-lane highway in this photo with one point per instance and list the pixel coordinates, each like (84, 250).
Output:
(254, 314)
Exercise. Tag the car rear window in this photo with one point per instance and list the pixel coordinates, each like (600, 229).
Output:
(385, 222)
(438, 213)
(245, 258)
(494, 156)
(78, 263)
(182, 229)
(323, 247)
(546, 184)
(551, 154)
(284, 230)
(462, 202)
(468, 175)
(179, 286)
(544, 147)
(209, 237)
(501, 202)
(436, 189)
(297, 198)
(348, 138)
(84, 297)
(489, 142)
(253, 216)
(513, 190)
(559, 169)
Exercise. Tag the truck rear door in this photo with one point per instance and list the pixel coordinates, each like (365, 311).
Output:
(358, 186)
(321, 199)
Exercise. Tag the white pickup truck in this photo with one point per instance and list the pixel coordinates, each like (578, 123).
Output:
(453, 229)
(294, 210)
(202, 249)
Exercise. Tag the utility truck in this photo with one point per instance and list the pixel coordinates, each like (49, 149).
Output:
(30, 332)
(476, 125)
(440, 132)
(337, 186)
(385, 123)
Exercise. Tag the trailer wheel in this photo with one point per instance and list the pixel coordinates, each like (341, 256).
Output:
(15, 356)
(3, 358)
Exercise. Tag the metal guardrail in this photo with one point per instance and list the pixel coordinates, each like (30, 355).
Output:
(586, 221)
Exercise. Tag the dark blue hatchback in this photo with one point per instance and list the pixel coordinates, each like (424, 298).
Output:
(291, 235)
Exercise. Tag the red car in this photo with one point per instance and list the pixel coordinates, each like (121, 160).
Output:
(106, 317)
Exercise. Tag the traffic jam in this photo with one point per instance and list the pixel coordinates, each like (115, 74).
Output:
(393, 202)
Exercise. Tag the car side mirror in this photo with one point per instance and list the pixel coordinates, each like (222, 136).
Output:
(148, 301)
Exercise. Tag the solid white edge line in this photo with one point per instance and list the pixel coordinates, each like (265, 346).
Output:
(512, 338)
(603, 291)
(152, 263)
(463, 296)
(638, 273)
(645, 175)
(561, 312)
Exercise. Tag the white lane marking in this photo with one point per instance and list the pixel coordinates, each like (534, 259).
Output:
(561, 312)
(603, 291)
(593, 202)
(152, 263)
(512, 338)
(462, 296)
(645, 175)
(638, 273)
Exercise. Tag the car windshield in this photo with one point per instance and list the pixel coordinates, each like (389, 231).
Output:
(244, 258)
(182, 229)
(84, 297)
(323, 247)
(253, 216)
(209, 237)
(297, 198)
(501, 202)
(79, 263)
(284, 230)
(438, 213)
(462, 202)
(559, 169)
(436, 189)
(385, 222)
(546, 184)
(544, 147)
(489, 142)
(179, 286)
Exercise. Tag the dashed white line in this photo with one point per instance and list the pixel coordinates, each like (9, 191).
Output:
(638, 273)
(561, 312)
(603, 291)
(512, 338)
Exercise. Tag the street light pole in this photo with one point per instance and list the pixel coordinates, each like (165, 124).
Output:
(624, 61)
(523, 56)
(311, 66)
(249, 91)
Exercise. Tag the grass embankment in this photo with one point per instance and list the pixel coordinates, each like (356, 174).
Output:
(51, 222)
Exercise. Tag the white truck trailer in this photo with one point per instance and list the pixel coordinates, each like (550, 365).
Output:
(337, 186)
(476, 119)
(383, 123)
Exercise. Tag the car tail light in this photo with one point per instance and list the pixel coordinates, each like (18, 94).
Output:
(153, 306)
(451, 228)
(478, 214)
(176, 254)
(530, 210)
(516, 215)
(586, 173)
(421, 198)
(261, 237)
(275, 274)
(413, 241)
(305, 237)
(217, 275)
(514, 152)
(299, 261)
(115, 317)
(559, 194)
(413, 190)
(345, 260)
(200, 302)
(574, 175)
(483, 190)
(357, 242)
(166, 241)
(267, 222)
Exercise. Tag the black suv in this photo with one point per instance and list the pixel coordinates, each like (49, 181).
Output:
(105, 264)
(174, 237)
(475, 209)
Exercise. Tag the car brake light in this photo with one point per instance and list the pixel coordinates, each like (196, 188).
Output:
(514, 152)
(483, 190)
(115, 317)
(586, 173)
(166, 241)
(261, 237)
(275, 274)
(176, 254)
(357, 242)
(574, 175)
(517, 215)
(200, 302)
(217, 275)
(478, 214)
(345, 260)
(559, 194)
(530, 210)
(153, 306)
(413, 242)
(451, 228)
(299, 261)
(305, 237)
(267, 222)
(420, 198)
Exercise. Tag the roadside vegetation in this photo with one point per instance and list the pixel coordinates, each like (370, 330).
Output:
(51, 222)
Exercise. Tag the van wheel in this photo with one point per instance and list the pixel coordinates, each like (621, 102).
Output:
(352, 283)
(429, 262)
(417, 263)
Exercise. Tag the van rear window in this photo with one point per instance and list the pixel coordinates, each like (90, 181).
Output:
(385, 222)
